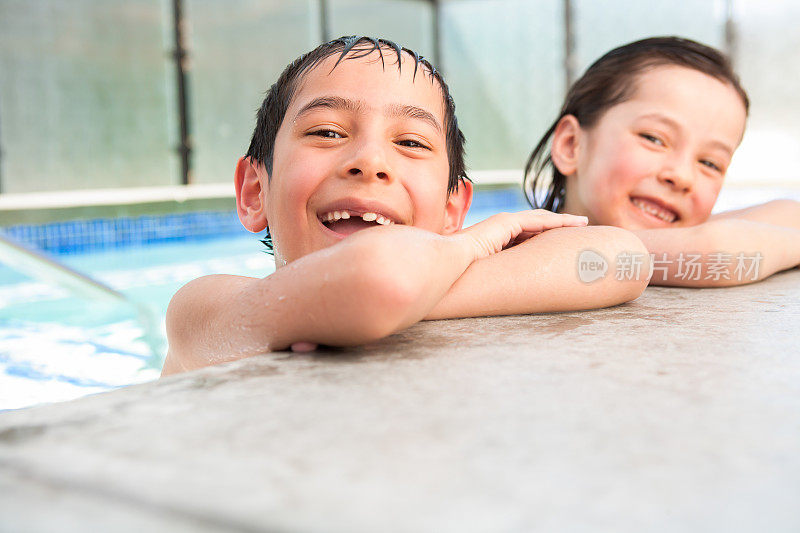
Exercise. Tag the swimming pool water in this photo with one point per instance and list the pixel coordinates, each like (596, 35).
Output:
(55, 345)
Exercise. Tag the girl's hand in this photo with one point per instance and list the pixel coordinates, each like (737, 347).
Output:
(505, 230)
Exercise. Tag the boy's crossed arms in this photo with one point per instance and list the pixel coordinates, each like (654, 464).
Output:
(356, 134)
(382, 280)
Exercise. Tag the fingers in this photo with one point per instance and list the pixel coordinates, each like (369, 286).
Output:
(538, 220)
(506, 229)
(303, 347)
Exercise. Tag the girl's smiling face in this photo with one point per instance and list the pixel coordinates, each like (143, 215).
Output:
(656, 160)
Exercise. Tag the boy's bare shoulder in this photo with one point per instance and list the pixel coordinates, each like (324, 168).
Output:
(197, 307)
(194, 300)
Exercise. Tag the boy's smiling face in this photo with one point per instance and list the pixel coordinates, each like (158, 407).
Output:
(658, 159)
(360, 145)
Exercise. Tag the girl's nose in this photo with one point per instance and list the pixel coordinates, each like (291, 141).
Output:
(677, 176)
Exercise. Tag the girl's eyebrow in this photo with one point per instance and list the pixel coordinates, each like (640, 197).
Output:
(674, 125)
(663, 118)
(356, 106)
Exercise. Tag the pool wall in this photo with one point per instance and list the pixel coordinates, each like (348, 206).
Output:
(75, 230)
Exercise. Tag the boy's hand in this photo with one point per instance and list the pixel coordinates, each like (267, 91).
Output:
(303, 347)
(508, 229)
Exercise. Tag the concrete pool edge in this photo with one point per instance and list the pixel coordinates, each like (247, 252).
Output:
(676, 411)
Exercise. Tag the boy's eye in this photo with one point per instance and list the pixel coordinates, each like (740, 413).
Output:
(326, 134)
(412, 144)
(652, 138)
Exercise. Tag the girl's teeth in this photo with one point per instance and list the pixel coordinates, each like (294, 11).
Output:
(658, 213)
(345, 215)
(369, 217)
(337, 215)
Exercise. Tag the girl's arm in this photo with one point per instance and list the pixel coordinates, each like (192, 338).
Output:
(559, 270)
(363, 288)
(721, 252)
(777, 212)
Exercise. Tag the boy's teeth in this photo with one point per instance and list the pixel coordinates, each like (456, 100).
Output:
(367, 217)
(647, 207)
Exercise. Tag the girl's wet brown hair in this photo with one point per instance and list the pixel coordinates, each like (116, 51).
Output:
(609, 81)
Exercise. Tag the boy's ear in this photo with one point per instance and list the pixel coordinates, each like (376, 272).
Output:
(250, 196)
(457, 206)
(565, 145)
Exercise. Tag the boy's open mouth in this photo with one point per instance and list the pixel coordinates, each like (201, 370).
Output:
(347, 221)
(655, 209)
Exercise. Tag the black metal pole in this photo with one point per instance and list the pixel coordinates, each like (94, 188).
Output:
(438, 60)
(181, 68)
(324, 26)
(1, 163)
(569, 46)
(730, 32)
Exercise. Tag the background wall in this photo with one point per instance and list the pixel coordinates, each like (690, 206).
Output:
(88, 91)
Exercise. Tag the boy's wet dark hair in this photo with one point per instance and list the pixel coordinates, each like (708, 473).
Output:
(609, 81)
(272, 111)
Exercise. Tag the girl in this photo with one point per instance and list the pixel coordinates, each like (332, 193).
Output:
(643, 142)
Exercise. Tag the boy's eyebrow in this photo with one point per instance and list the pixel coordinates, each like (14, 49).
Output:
(412, 111)
(355, 106)
(331, 102)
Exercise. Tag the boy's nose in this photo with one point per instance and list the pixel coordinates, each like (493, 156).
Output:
(355, 171)
(368, 161)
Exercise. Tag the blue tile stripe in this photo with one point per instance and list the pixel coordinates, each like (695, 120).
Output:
(79, 236)
(506, 199)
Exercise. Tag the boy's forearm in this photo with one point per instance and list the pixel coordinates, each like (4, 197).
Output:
(722, 252)
(543, 274)
(397, 275)
(368, 286)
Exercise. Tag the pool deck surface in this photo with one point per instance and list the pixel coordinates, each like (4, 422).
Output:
(677, 412)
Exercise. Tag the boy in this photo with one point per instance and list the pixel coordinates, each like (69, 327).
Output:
(356, 170)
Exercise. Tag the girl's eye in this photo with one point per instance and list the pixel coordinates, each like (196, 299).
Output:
(711, 165)
(652, 138)
(327, 134)
(412, 144)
